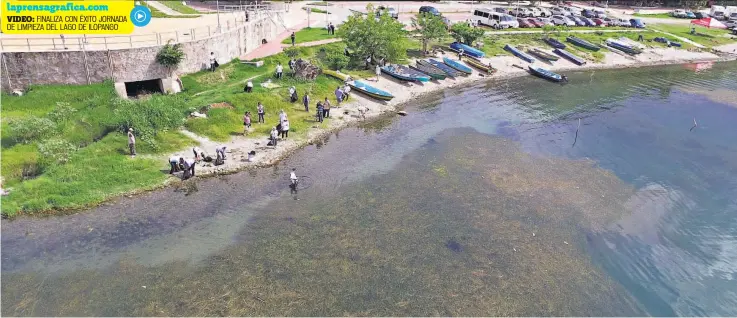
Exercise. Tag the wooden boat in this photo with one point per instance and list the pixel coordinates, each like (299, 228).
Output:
(404, 73)
(467, 50)
(522, 55)
(434, 72)
(569, 56)
(554, 43)
(546, 74)
(441, 66)
(458, 65)
(582, 43)
(370, 90)
(542, 54)
(623, 47)
(335, 74)
(485, 67)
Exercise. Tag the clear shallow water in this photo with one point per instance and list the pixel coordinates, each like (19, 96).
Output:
(432, 214)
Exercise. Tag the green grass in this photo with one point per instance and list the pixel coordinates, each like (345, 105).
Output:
(155, 13)
(320, 3)
(316, 10)
(704, 36)
(655, 15)
(179, 7)
(309, 35)
(100, 169)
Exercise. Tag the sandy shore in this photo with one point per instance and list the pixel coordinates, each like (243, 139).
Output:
(238, 147)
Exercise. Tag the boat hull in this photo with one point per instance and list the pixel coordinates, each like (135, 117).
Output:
(370, 90)
(582, 43)
(467, 50)
(548, 75)
(457, 65)
(441, 66)
(516, 52)
(623, 48)
(486, 68)
(431, 71)
(569, 56)
(555, 43)
(543, 55)
(335, 74)
(404, 73)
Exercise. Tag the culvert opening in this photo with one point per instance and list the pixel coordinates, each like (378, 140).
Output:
(138, 88)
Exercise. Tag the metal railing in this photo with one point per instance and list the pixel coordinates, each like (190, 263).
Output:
(235, 19)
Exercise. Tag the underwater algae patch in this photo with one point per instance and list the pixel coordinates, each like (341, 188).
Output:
(467, 225)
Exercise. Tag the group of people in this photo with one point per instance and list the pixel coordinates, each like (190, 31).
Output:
(281, 130)
(186, 166)
(331, 28)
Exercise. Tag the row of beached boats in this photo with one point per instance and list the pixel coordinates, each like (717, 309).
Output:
(423, 71)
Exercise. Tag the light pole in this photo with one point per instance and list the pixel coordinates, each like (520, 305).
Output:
(217, 7)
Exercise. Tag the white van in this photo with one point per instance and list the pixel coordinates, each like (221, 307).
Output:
(494, 19)
(717, 12)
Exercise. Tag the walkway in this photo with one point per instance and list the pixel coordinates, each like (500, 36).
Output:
(162, 8)
(313, 43)
(274, 46)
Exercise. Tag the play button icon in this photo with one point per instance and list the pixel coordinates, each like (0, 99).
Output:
(140, 16)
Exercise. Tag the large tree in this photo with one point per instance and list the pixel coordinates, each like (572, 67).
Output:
(372, 35)
(464, 33)
(428, 27)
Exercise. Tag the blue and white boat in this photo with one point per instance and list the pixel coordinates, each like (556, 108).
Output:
(546, 74)
(522, 55)
(468, 50)
(405, 73)
(569, 56)
(370, 90)
(458, 65)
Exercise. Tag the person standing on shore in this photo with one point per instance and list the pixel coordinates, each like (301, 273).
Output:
(131, 142)
(174, 163)
(460, 55)
(320, 110)
(285, 129)
(293, 37)
(326, 108)
(346, 91)
(246, 123)
(261, 112)
(378, 72)
(220, 151)
(274, 135)
(306, 102)
(338, 96)
(282, 116)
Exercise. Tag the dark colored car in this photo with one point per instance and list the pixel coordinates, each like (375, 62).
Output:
(587, 21)
(637, 23)
(430, 10)
(588, 13)
(500, 10)
(523, 23)
(700, 15)
(535, 23)
(577, 20)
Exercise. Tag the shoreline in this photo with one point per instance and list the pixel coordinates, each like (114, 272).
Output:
(348, 114)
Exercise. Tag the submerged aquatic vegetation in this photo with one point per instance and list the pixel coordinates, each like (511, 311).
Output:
(403, 243)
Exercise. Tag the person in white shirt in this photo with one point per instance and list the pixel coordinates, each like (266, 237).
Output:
(249, 87)
(220, 151)
(282, 116)
(213, 62)
(279, 70)
(274, 135)
(346, 91)
(378, 72)
(174, 162)
(197, 153)
(285, 129)
(293, 177)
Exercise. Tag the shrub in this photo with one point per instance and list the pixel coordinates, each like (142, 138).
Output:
(61, 112)
(336, 60)
(291, 52)
(149, 116)
(170, 56)
(464, 33)
(29, 129)
(56, 150)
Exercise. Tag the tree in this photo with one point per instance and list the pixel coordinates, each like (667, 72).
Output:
(372, 35)
(464, 33)
(170, 56)
(335, 59)
(429, 27)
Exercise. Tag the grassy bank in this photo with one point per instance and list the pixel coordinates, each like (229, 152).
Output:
(655, 15)
(64, 147)
(179, 7)
(316, 10)
(704, 36)
(309, 35)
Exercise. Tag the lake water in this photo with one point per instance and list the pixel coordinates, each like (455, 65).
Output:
(485, 200)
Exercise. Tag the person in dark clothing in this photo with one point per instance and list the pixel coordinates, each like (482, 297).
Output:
(346, 52)
(320, 111)
(306, 102)
(261, 112)
(293, 38)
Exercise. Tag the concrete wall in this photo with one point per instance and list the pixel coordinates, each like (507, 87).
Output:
(19, 69)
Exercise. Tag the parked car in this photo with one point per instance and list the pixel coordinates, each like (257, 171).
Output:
(577, 20)
(544, 12)
(429, 9)
(562, 20)
(731, 24)
(535, 23)
(690, 15)
(390, 11)
(545, 21)
(600, 13)
(623, 23)
(494, 19)
(559, 11)
(535, 11)
(701, 15)
(588, 21)
(678, 13)
(500, 10)
(520, 12)
(588, 13)
(599, 22)
(573, 10)
(507, 21)
(523, 23)
(637, 23)
(611, 22)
